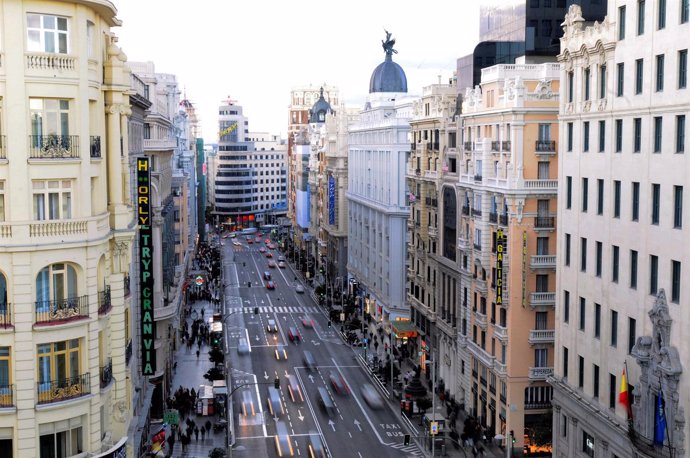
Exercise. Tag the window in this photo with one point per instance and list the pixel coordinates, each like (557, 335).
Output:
(600, 196)
(657, 133)
(5, 376)
(615, 264)
(680, 133)
(660, 72)
(614, 328)
(583, 310)
(683, 67)
(541, 357)
(675, 281)
(585, 136)
(602, 81)
(542, 246)
(597, 321)
(567, 249)
(637, 135)
(47, 33)
(587, 77)
(684, 11)
(569, 192)
(55, 283)
(616, 199)
(602, 136)
(612, 391)
(583, 254)
(58, 362)
(564, 425)
(595, 381)
(546, 28)
(621, 22)
(653, 274)
(677, 207)
(570, 136)
(48, 117)
(61, 439)
(656, 196)
(90, 39)
(640, 16)
(620, 79)
(565, 362)
(598, 259)
(587, 444)
(635, 201)
(2, 201)
(580, 371)
(570, 86)
(52, 200)
(639, 76)
(585, 192)
(633, 269)
(566, 306)
(619, 135)
(661, 15)
(631, 333)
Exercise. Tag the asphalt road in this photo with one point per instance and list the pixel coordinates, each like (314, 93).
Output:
(353, 429)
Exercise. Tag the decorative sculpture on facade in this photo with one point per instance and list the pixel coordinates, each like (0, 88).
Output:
(388, 44)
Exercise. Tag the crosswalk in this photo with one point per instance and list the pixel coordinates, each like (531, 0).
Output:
(282, 309)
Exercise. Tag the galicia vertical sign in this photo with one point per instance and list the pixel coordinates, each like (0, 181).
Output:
(148, 351)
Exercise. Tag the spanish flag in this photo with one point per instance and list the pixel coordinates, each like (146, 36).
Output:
(623, 394)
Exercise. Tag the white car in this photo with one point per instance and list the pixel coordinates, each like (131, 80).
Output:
(372, 397)
(299, 289)
(271, 326)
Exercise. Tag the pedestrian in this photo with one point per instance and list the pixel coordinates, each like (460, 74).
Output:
(203, 433)
(197, 354)
(196, 434)
(208, 426)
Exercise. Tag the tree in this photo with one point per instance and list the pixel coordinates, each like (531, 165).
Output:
(217, 453)
(215, 373)
(423, 404)
(387, 370)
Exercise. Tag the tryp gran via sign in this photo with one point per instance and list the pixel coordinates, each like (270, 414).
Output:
(148, 351)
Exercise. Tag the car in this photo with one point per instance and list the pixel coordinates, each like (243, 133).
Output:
(271, 263)
(270, 285)
(275, 404)
(262, 250)
(338, 383)
(243, 346)
(267, 275)
(307, 322)
(325, 401)
(267, 241)
(271, 246)
(294, 389)
(280, 352)
(281, 264)
(257, 239)
(299, 289)
(269, 254)
(283, 441)
(316, 448)
(371, 396)
(236, 243)
(247, 403)
(309, 361)
(281, 258)
(294, 335)
(271, 326)
(250, 241)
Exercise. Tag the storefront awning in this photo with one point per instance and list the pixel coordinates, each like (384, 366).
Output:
(404, 329)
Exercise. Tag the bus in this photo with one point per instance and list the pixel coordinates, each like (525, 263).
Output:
(249, 230)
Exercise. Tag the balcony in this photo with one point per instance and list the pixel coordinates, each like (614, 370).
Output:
(159, 144)
(542, 299)
(53, 146)
(413, 147)
(50, 64)
(5, 315)
(493, 217)
(481, 286)
(6, 396)
(545, 147)
(63, 390)
(541, 261)
(541, 336)
(495, 146)
(503, 219)
(467, 146)
(128, 352)
(540, 373)
(501, 370)
(95, 147)
(501, 333)
(62, 310)
(481, 355)
(463, 243)
(541, 185)
(476, 212)
(430, 174)
(505, 145)
(3, 149)
(433, 231)
(544, 222)
(107, 373)
(478, 246)
(418, 172)
(104, 303)
(128, 291)
(480, 320)
(465, 210)
(478, 178)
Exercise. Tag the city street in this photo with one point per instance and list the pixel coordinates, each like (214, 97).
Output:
(350, 428)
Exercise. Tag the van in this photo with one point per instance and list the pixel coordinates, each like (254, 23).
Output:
(275, 406)
(309, 361)
(325, 401)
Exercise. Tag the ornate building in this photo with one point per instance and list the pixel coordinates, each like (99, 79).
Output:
(622, 304)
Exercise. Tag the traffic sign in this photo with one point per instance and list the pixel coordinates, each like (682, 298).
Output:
(434, 428)
(171, 417)
(342, 317)
(199, 280)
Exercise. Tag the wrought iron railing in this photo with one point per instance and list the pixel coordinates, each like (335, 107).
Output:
(505, 145)
(478, 178)
(6, 395)
(503, 219)
(493, 217)
(61, 310)
(65, 389)
(95, 147)
(465, 210)
(107, 373)
(54, 146)
(413, 147)
(467, 146)
(5, 315)
(476, 212)
(104, 302)
(495, 146)
(545, 146)
(544, 222)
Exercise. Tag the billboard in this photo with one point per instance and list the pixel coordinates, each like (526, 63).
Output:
(331, 200)
(148, 351)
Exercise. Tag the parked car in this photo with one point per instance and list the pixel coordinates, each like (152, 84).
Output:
(270, 285)
(338, 383)
(299, 289)
(294, 335)
(271, 326)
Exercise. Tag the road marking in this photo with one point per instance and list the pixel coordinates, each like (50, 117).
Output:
(261, 405)
(249, 343)
(357, 424)
(313, 414)
(331, 423)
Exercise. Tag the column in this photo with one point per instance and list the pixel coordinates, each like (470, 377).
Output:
(114, 133)
(125, 174)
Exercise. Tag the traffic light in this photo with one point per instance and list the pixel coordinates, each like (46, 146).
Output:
(407, 439)
(512, 436)
(329, 323)
(215, 341)
(276, 383)
(249, 284)
(256, 310)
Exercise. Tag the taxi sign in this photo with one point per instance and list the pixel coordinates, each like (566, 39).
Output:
(434, 428)
(199, 280)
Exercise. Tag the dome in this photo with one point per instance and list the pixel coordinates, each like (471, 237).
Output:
(388, 77)
(318, 112)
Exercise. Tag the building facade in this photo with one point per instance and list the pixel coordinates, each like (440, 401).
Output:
(624, 113)
(66, 229)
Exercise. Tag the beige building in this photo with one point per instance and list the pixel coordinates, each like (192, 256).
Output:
(66, 229)
(623, 245)
(507, 175)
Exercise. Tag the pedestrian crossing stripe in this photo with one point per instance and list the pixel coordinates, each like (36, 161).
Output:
(282, 309)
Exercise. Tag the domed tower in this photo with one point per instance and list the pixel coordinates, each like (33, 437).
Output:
(318, 112)
(388, 76)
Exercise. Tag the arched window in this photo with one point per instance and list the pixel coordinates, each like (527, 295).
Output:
(55, 282)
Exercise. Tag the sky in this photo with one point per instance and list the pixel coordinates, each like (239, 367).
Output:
(255, 51)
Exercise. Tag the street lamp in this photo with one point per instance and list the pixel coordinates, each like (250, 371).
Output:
(433, 396)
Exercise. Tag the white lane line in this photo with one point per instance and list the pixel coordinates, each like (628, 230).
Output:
(246, 332)
(313, 414)
(261, 406)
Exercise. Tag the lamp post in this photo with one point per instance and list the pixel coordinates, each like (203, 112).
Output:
(433, 397)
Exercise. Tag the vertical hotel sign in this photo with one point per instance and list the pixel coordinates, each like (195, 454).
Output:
(148, 352)
(331, 200)
(500, 247)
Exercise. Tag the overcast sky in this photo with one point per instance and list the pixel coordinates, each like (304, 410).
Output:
(256, 51)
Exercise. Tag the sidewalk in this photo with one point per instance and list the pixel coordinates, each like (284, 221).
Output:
(190, 374)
